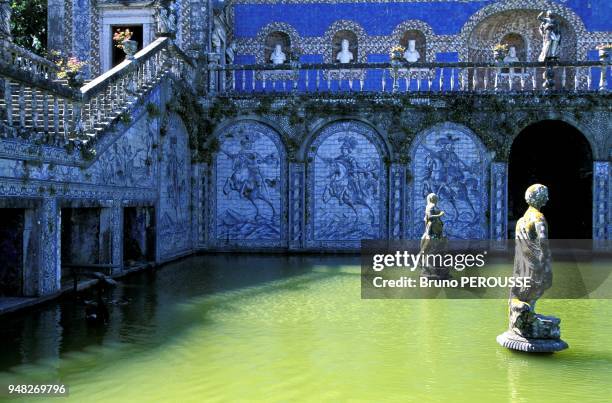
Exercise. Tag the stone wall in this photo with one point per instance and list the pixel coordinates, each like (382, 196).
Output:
(137, 163)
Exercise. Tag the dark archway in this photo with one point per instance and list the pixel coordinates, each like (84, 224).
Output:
(557, 155)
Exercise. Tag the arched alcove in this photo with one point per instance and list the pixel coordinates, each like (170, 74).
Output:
(557, 155)
(336, 44)
(512, 23)
(247, 204)
(277, 38)
(517, 41)
(450, 160)
(346, 186)
(419, 38)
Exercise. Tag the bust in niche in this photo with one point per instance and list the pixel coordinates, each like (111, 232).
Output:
(411, 54)
(511, 57)
(345, 55)
(278, 56)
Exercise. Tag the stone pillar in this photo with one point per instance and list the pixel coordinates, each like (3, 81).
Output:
(50, 266)
(297, 212)
(56, 15)
(30, 253)
(205, 212)
(602, 204)
(397, 192)
(498, 218)
(213, 72)
(116, 230)
(197, 214)
(105, 237)
(5, 20)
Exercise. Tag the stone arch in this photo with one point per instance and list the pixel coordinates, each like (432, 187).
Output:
(525, 21)
(416, 27)
(568, 174)
(332, 38)
(248, 186)
(585, 130)
(346, 186)
(290, 37)
(450, 160)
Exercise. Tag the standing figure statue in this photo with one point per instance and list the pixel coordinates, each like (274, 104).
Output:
(527, 330)
(166, 19)
(551, 37)
(5, 20)
(433, 240)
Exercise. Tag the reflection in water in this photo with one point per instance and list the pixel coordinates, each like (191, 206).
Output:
(229, 328)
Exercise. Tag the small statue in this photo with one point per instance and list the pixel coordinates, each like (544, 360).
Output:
(529, 331)
(5, 19)
(345, 55)
(551, 37)
(166, 19)
(511, 57)
(411, 54)
(216, 39)
(433, 240)
(278, 56)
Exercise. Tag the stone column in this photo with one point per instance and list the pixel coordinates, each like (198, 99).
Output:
(5, 20)
(50, 265)
(213, 72)
(297, 213)
(31, 242)
(197, 213)
(498, 219)
(397, 192)
(116, 231)
(56, 16)
(602, 204)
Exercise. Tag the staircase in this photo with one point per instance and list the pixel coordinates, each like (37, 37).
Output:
(35, 106)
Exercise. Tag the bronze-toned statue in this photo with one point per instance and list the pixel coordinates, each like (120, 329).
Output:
(551, 37)
(433, 240)
(527, 330)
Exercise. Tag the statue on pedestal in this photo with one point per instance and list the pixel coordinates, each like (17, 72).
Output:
(433, 240)
(278, 56)
(411, 54)
(5, 20)
(551, 37)
(166, 19)
(345, 55)
(230, 53)
(529, 331)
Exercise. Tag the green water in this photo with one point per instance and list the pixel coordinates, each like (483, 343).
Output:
(230, 329)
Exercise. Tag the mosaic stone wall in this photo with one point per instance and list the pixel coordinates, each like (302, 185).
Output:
(249, 187)
(175, 191)
(346, 186)
(450, 161)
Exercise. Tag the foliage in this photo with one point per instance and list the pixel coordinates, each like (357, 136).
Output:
(68, 66)
(120, 36)
(29, 24)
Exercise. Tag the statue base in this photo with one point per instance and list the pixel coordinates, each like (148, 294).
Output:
(513, 341)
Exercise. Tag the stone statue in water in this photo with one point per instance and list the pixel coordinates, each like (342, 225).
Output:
(551, 37)
(433, 240)
(529, 331)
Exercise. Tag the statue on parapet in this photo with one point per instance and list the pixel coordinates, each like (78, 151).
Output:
(551, 37)
(528, 331)
(166, 18)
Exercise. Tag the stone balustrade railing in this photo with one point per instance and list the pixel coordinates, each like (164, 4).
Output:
(35, 107)
(414, 77)
(24, 60)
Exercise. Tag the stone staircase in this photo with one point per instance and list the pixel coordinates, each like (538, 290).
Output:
(35, 106)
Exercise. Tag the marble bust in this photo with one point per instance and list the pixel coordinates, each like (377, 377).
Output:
(511, 57)
(278, 56)
(411, 54)
(345, 55)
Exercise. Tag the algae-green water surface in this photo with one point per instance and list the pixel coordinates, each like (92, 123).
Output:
(290, 329)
